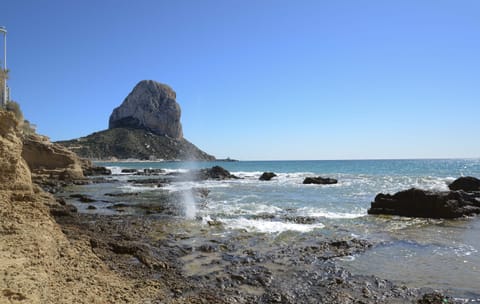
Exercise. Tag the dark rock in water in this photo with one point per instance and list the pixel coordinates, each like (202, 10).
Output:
(301, 219)
(427, 204)
(119, 207)
(266, 176)
(91, 207)
(215, 172)
(149, 181)
(150, 106)
(122, 194)
(83, 198)
(467, 183)
(319, 180)
(92, 171)
(129, 170)
(151, 172)
(435, 298)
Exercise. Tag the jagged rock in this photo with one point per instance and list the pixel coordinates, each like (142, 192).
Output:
(94, 170)
(150, 106)
(319, 180)
(149, 171)
(427, 204)
(467, 183)
(266, 176)
(215, 172)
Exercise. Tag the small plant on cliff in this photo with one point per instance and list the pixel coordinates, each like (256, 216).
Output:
(14, 107)
(27, 127)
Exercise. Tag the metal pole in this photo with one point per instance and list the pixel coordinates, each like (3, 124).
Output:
(4, 31)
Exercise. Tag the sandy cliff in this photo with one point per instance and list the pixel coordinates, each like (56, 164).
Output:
(38, 263)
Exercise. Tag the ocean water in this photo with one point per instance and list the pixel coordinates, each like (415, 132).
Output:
(416, 252)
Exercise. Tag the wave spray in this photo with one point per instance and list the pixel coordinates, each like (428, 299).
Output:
(189, 204)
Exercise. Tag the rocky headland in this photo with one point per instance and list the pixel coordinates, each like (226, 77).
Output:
(146, 126)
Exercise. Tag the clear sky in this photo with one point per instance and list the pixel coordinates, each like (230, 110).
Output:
(259, 79)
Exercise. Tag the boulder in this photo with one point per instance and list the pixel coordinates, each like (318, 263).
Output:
(319, 180)
(215, 172)
(467, 183)
(427, 204)
(266, 176)
(94, 171)
(151, 106)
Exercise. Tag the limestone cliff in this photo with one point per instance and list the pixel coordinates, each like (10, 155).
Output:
(14, 170)
(145, 126)
(150, 106)
(38, 263)
(46, 158)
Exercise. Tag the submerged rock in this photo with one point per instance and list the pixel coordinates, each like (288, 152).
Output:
(319, 180)
(427, 204)
(467, 183)
(94, 170)
(266, 176)
(83, 198)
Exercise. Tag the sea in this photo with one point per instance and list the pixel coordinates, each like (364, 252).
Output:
(417, 252)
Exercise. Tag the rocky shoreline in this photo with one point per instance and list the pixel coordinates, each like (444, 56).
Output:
(50, 253)
(190, 266)
(191, 269)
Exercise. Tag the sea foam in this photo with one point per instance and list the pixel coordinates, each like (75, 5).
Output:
(266, 226)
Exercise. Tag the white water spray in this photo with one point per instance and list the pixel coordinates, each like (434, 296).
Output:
(189, 204)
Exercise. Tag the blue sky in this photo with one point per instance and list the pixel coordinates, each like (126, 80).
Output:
(264, 79)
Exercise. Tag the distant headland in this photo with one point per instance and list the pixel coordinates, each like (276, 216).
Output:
(146, 126)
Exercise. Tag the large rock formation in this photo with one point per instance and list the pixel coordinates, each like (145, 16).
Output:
(427, 204)
(150, 106)
(146, 126)
(465, 183)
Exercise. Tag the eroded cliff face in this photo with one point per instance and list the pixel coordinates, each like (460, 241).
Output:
(49, 159)
(150, 106)
(14, 173)
(38, 263)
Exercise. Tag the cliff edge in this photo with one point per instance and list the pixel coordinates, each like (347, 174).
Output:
(38, 263)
